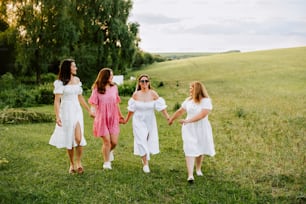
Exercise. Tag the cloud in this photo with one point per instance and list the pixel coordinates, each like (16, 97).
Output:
(169, 25)
(156, 19)
(272, 27)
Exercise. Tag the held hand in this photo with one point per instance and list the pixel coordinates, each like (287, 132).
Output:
(183, 121)
(125, 121)
(122, 120)
(92, 114)
(170, 121)
(59, 122)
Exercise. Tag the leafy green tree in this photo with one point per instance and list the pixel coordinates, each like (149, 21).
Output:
(46, 34)
(104, 27)
(95, 33)
(7, 47)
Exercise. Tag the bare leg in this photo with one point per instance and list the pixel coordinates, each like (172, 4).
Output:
(144, 160)
(199, 160)
(71, 155)
(190, 166)
(79, 149)
(113, 141)
(106, 147)
(145, 163)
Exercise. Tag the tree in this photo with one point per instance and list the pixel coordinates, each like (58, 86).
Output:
(7, 47)
(105, 28)
(95, 33)
(46, 34)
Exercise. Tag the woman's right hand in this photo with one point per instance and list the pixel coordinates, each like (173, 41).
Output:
(59, 122)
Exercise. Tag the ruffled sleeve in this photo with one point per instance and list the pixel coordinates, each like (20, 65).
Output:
(93, 99)
(184, 104)
(160, 104)
(58, 87)
(131, 105)
(80, 89)
(206, 104)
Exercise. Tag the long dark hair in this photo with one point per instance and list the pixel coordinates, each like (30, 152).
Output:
(102, 80)
(65, 71)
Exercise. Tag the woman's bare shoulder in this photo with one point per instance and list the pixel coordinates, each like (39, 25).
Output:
(154, 94)
(76, 79)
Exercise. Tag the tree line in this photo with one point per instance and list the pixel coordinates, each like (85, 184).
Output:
(36, 34)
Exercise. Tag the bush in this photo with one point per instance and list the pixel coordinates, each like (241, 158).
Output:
(7, 81)
(21, 116)
(48, 78)
(127, 89)
(176, 106)
(26, 96)
(161, 84)
(240, 112)
(45, 94)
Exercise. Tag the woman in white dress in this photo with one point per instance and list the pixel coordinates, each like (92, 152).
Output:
(69, 129)
(196, 129)
(141, 106)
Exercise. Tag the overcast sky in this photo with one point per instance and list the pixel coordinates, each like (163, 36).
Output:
(219, 25)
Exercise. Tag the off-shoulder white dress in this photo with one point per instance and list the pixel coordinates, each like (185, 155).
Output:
(145, 126)
(197, 136)
(71, 113)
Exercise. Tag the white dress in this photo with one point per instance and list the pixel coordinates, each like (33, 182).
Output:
(71, 113)
(197, 136)
(145, 126)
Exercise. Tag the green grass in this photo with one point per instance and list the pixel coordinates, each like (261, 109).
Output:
(259, 126)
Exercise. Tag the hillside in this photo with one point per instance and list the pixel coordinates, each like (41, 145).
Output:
(266, 72)
(259, 127)
(259, 115)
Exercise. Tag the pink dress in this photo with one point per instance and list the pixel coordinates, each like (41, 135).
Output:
(106, 121)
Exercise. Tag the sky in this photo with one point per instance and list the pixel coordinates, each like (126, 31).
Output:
(219, 25)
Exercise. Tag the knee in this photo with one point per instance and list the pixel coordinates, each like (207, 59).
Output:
(78, 140)
(106, 141)
(114, 144)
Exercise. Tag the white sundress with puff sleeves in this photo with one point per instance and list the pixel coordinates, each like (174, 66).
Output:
(145, 126)
(71, 113)
(197, 136)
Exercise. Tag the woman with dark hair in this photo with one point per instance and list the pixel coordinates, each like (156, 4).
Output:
(196, 129)
(104, 102)
(141, 106)
(69, 129)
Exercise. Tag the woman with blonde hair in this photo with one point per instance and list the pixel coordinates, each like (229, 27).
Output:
(141, 106)
(196, 129)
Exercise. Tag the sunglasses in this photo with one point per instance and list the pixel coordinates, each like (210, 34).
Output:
(144, 81)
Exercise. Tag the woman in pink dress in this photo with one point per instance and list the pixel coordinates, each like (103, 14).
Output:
(104, 102)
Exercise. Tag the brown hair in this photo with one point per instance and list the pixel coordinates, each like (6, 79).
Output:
(102, 80)
(139, 78)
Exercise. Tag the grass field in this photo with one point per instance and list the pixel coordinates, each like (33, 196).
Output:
(259, 126)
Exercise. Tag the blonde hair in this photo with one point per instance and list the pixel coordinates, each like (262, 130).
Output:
(199, 91)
